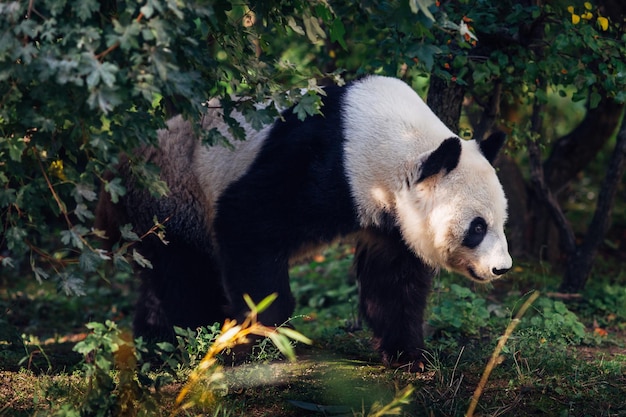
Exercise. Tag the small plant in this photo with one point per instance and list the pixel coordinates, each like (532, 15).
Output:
(191, 346)
(207, 378)
(493, 361)
(556, 324)
(606, 303)
(118, 383)
(458, 310)
(265, 350)
(114, 384)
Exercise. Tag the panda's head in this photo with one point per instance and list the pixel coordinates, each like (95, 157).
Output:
(452, 209)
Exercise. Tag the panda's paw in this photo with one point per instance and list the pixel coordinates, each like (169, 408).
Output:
(405, 362)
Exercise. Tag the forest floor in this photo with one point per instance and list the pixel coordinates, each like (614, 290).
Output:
(566, 358)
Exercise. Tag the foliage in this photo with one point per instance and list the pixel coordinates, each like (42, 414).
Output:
(108, 349)
(82, 81)
(581, 56)
(459, 311)
(191, 346)
(205, 379)
(121, 381)
(323, 292)
(555, 324)
(314, 282)
(336, 373)
(606, 303)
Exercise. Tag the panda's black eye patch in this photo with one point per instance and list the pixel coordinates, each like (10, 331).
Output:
(475, 233)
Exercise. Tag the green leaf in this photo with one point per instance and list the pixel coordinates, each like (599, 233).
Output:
(481, 74)
(71, 285)
(101, 73)
(338, 32)
(86, 191)
(258, 118)
(594, 99)
(422, 6)
(425, 53)
(16, 146)
(115, 189)
(294, 335)
(82, 212)
(71, 237)
(141, 260)
(89, 261)
(103, 98)
(309, 105)
(166, 347)
(7, 196)
(128, 35)
(40, 274)
(127, 233)
(85, 8)
(282, 343)
(147, 10)
(262, 305)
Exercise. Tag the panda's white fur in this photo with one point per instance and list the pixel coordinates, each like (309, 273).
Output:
(218, 166)
(378, 166)
(389, 129)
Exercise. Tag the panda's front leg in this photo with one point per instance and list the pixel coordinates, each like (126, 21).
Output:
(393, 290)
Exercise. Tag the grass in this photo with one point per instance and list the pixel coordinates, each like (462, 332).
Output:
(566, 357)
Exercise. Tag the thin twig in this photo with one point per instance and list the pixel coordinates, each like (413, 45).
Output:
(116, 44)
(496, 353)
(62, 207)
(537, 176)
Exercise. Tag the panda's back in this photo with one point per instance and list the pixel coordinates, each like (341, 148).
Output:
(296, 183)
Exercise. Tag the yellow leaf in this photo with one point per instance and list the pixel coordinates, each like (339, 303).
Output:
(56, 169)
(603, 22)
(588, 5)
(575, 19)
(587, 15)
(570, 9)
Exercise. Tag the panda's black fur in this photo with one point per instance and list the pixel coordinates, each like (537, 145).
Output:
(295, 194)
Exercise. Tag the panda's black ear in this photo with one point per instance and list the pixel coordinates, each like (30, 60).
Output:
(445, 158)
(492, 145)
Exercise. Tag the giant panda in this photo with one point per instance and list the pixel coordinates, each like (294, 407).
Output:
(377, 166)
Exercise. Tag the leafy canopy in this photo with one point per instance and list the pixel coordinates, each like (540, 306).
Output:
(82, 81)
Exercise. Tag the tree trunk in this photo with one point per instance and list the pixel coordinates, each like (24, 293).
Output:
(579, 263)
(573, 152)
(446, 101)
(568, 157)
(540, 186)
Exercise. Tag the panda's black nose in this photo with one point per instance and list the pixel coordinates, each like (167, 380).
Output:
(502, 271)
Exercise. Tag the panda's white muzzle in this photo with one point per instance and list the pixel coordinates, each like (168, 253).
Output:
(492, 259)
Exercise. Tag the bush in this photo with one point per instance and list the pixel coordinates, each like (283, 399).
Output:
(83, 80)
(458, 310)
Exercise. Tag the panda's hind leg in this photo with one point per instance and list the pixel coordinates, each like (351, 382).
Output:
(181, 289)
(257, 272)
(393, 290)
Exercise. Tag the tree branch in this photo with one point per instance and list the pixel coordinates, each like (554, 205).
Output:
(490, 113)
(568, 240)
(579, 268)
(573, 152)
(601, 218)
